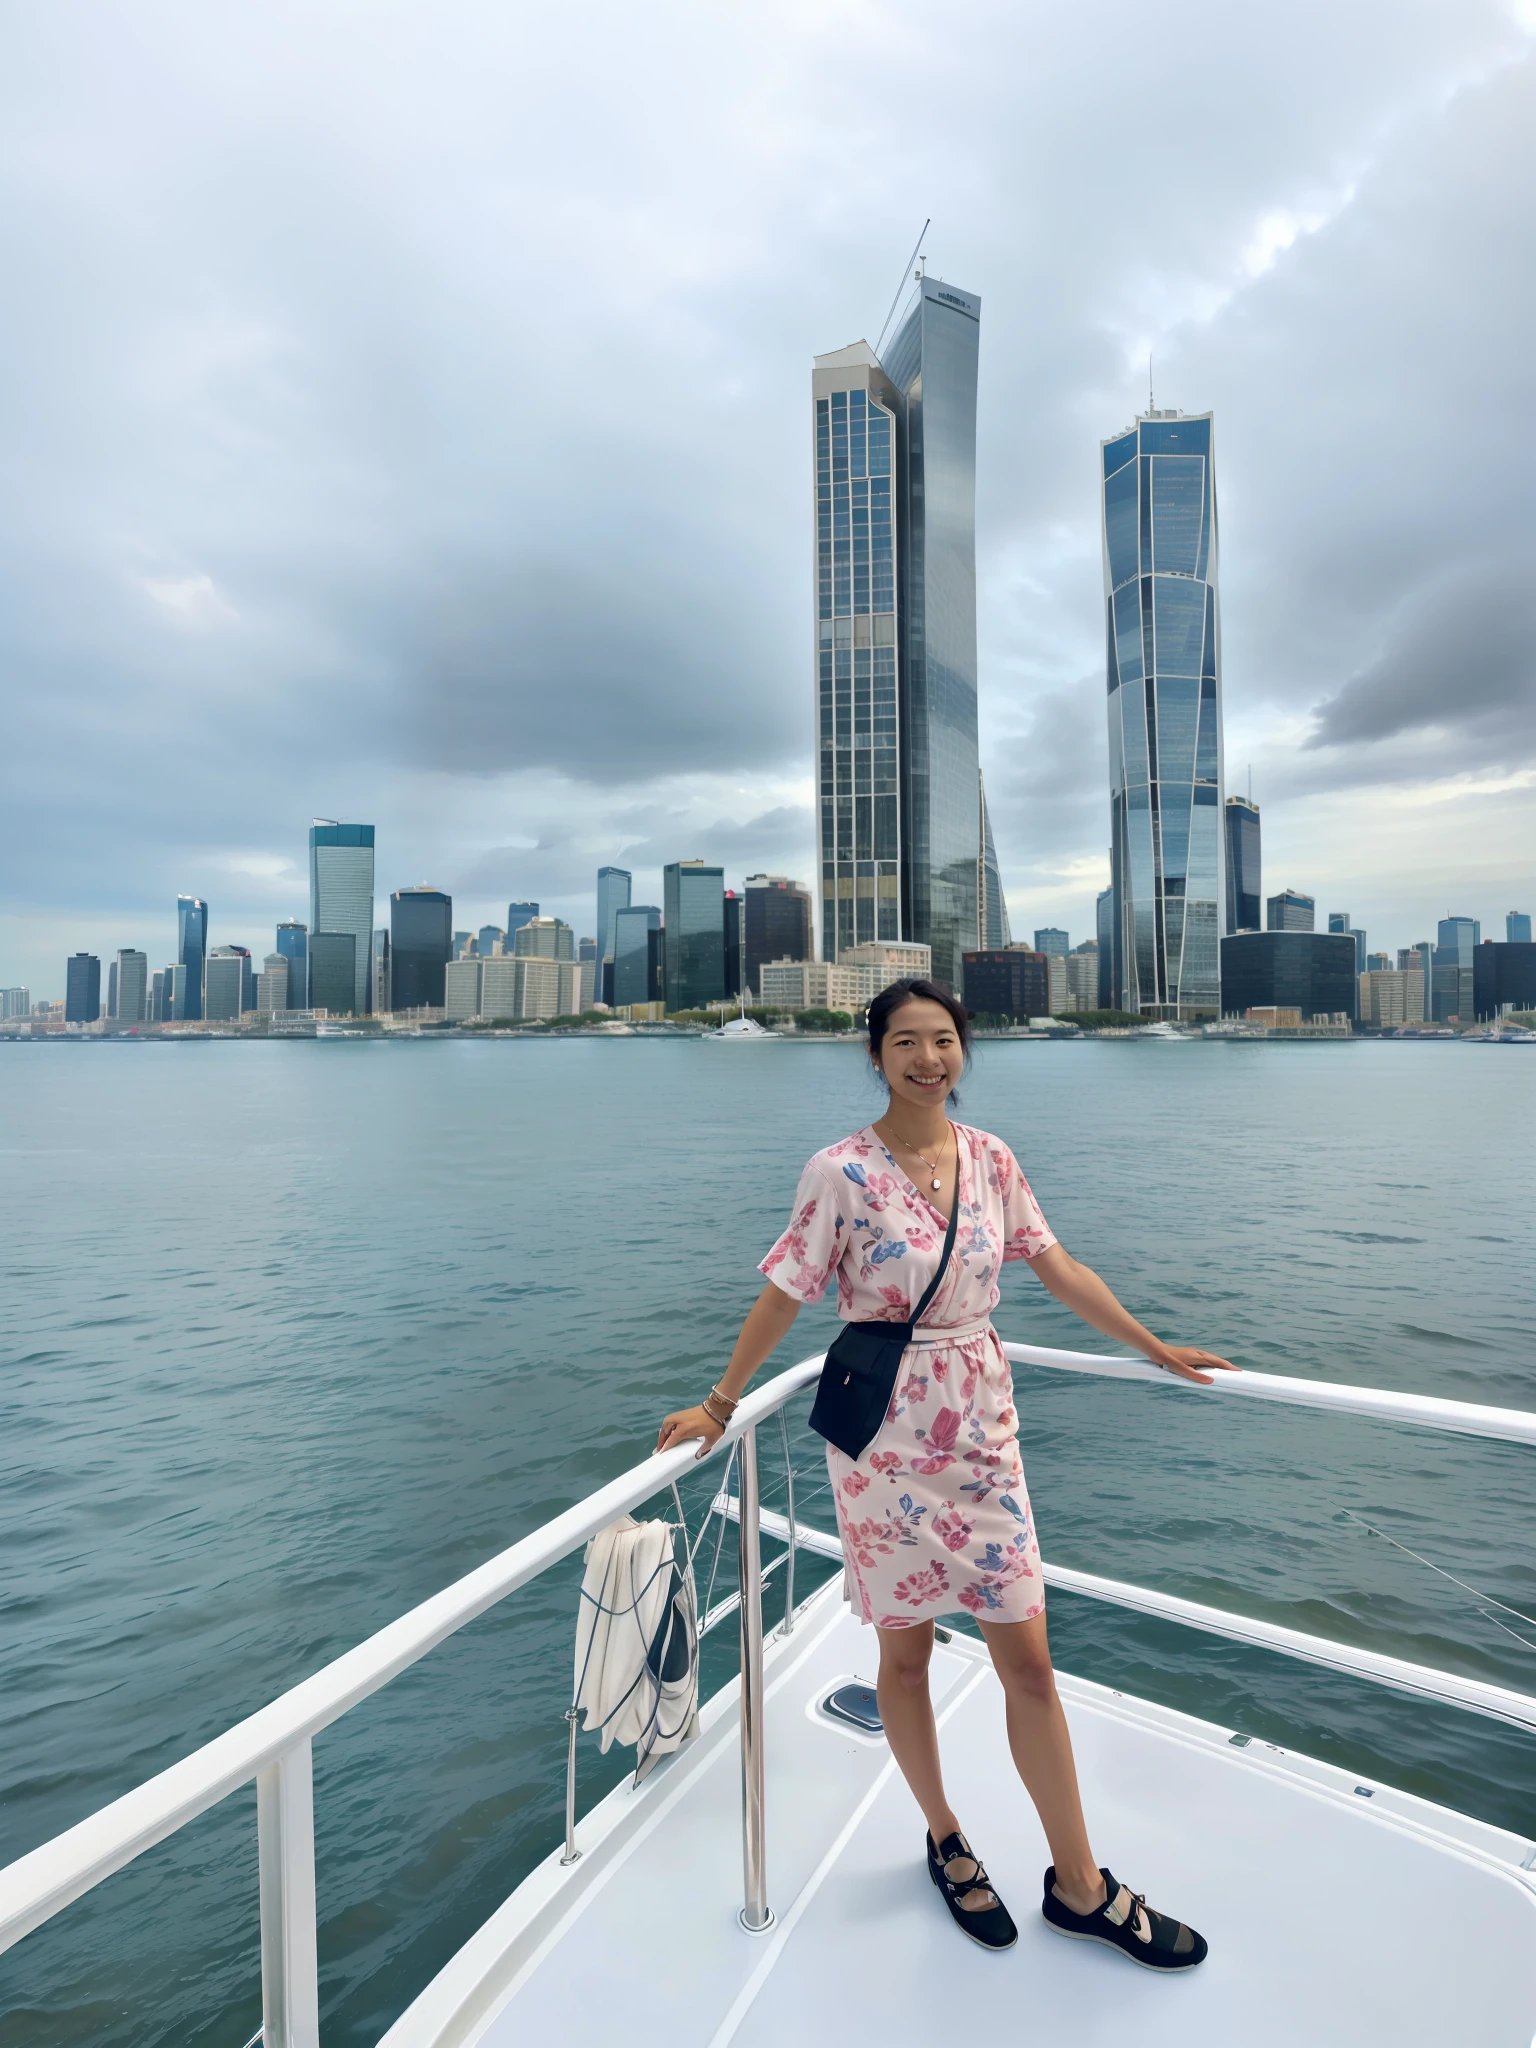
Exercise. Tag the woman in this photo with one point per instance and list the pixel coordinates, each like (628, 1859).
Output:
(933, 1514)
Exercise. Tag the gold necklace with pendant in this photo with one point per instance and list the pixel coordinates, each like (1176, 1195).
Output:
(932, 1165)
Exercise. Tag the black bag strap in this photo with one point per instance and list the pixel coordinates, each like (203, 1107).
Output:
(949, 1244)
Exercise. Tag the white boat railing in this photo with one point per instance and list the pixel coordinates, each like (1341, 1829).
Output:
(274, 1745)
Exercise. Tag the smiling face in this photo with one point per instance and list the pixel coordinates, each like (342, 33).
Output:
(921, 1058)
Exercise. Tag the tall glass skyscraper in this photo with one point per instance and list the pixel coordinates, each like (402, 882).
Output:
(693, 905)
(1245, 898)
(613, 892)
(1457, 939)
(897, 770)
(421, 937)
(634, 928)
(1164, 677)
(293, 944)
(341, 900)
(192, 954)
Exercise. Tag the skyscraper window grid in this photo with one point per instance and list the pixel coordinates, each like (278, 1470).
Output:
(341, 901)
(857, 724)
(1163, 660)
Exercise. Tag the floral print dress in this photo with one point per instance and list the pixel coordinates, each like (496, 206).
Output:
(934, 1516)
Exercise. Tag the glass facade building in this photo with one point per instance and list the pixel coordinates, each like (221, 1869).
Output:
(632, 953)
(1338, 921)
(192, 954)
(1163, 632)
(991, 909)
(776, 925)
(614, 886)
(341, 900)
(82, 989)
(1290, 911)
(1313, 972)
(421, 938)
(293, 944)
(1456, 940)
(693, 914)
(333, 970)
(519, 914)
(897, 771)
(1517, 928)
(1104, 932)
(1244, 865)
(132, 986)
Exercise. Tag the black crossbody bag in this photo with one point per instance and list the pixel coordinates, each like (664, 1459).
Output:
(858, 1374)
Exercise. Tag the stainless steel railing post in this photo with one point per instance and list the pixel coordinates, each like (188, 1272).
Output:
(756, 1916)
(571, 1850)
(285, 1835)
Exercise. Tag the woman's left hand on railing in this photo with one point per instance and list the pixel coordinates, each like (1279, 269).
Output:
(685, 1426)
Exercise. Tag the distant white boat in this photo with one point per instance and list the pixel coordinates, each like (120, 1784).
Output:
(1162, 1029)
(742, 1027)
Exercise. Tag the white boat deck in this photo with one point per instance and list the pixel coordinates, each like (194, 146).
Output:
(1337, 1911)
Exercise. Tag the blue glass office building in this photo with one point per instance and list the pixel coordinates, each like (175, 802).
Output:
(293, 945)
(635, 927)
(1244, 865)
(1164, 679)
(693, 902)
(898, 809)
(192, 954)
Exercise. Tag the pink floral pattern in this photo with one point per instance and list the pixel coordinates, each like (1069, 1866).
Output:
(935, 1517)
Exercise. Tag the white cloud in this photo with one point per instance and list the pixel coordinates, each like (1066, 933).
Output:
(191, 602)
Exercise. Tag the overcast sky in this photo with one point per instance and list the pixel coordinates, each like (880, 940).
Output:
(403, 411)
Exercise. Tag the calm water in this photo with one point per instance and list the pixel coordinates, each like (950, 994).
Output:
(296, 1333)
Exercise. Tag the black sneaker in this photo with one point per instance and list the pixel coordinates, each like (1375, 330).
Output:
(1126, 1922)
(958, 1873)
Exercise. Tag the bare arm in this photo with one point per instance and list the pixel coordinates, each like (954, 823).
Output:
(1080, 1289)
(768, 1321)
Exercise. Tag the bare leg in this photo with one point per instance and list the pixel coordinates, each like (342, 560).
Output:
(907, 1713)
(1042, 1751)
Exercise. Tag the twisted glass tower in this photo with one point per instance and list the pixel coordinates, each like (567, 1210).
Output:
(1164, 677)
(897, 792)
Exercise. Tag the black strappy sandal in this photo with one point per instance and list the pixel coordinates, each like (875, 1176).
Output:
(1125, 1921)
(988, 1926)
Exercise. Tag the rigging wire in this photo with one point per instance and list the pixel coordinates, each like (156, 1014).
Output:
(1351, 1516)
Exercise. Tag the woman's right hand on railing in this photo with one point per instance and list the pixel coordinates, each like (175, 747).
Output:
(686, 1425)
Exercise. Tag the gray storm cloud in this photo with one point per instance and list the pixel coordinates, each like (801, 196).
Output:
(403, 415)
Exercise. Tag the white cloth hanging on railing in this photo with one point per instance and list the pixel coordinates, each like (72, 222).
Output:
(637, 1641)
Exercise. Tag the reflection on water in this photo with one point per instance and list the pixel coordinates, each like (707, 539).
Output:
(299, 1332)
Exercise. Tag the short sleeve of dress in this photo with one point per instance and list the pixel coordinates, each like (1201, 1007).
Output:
(1026, 1234)
(807, 1255)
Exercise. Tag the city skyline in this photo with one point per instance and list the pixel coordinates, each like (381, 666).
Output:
(278, 582)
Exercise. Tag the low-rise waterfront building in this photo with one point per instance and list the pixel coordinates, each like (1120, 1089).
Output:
(850, 983)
